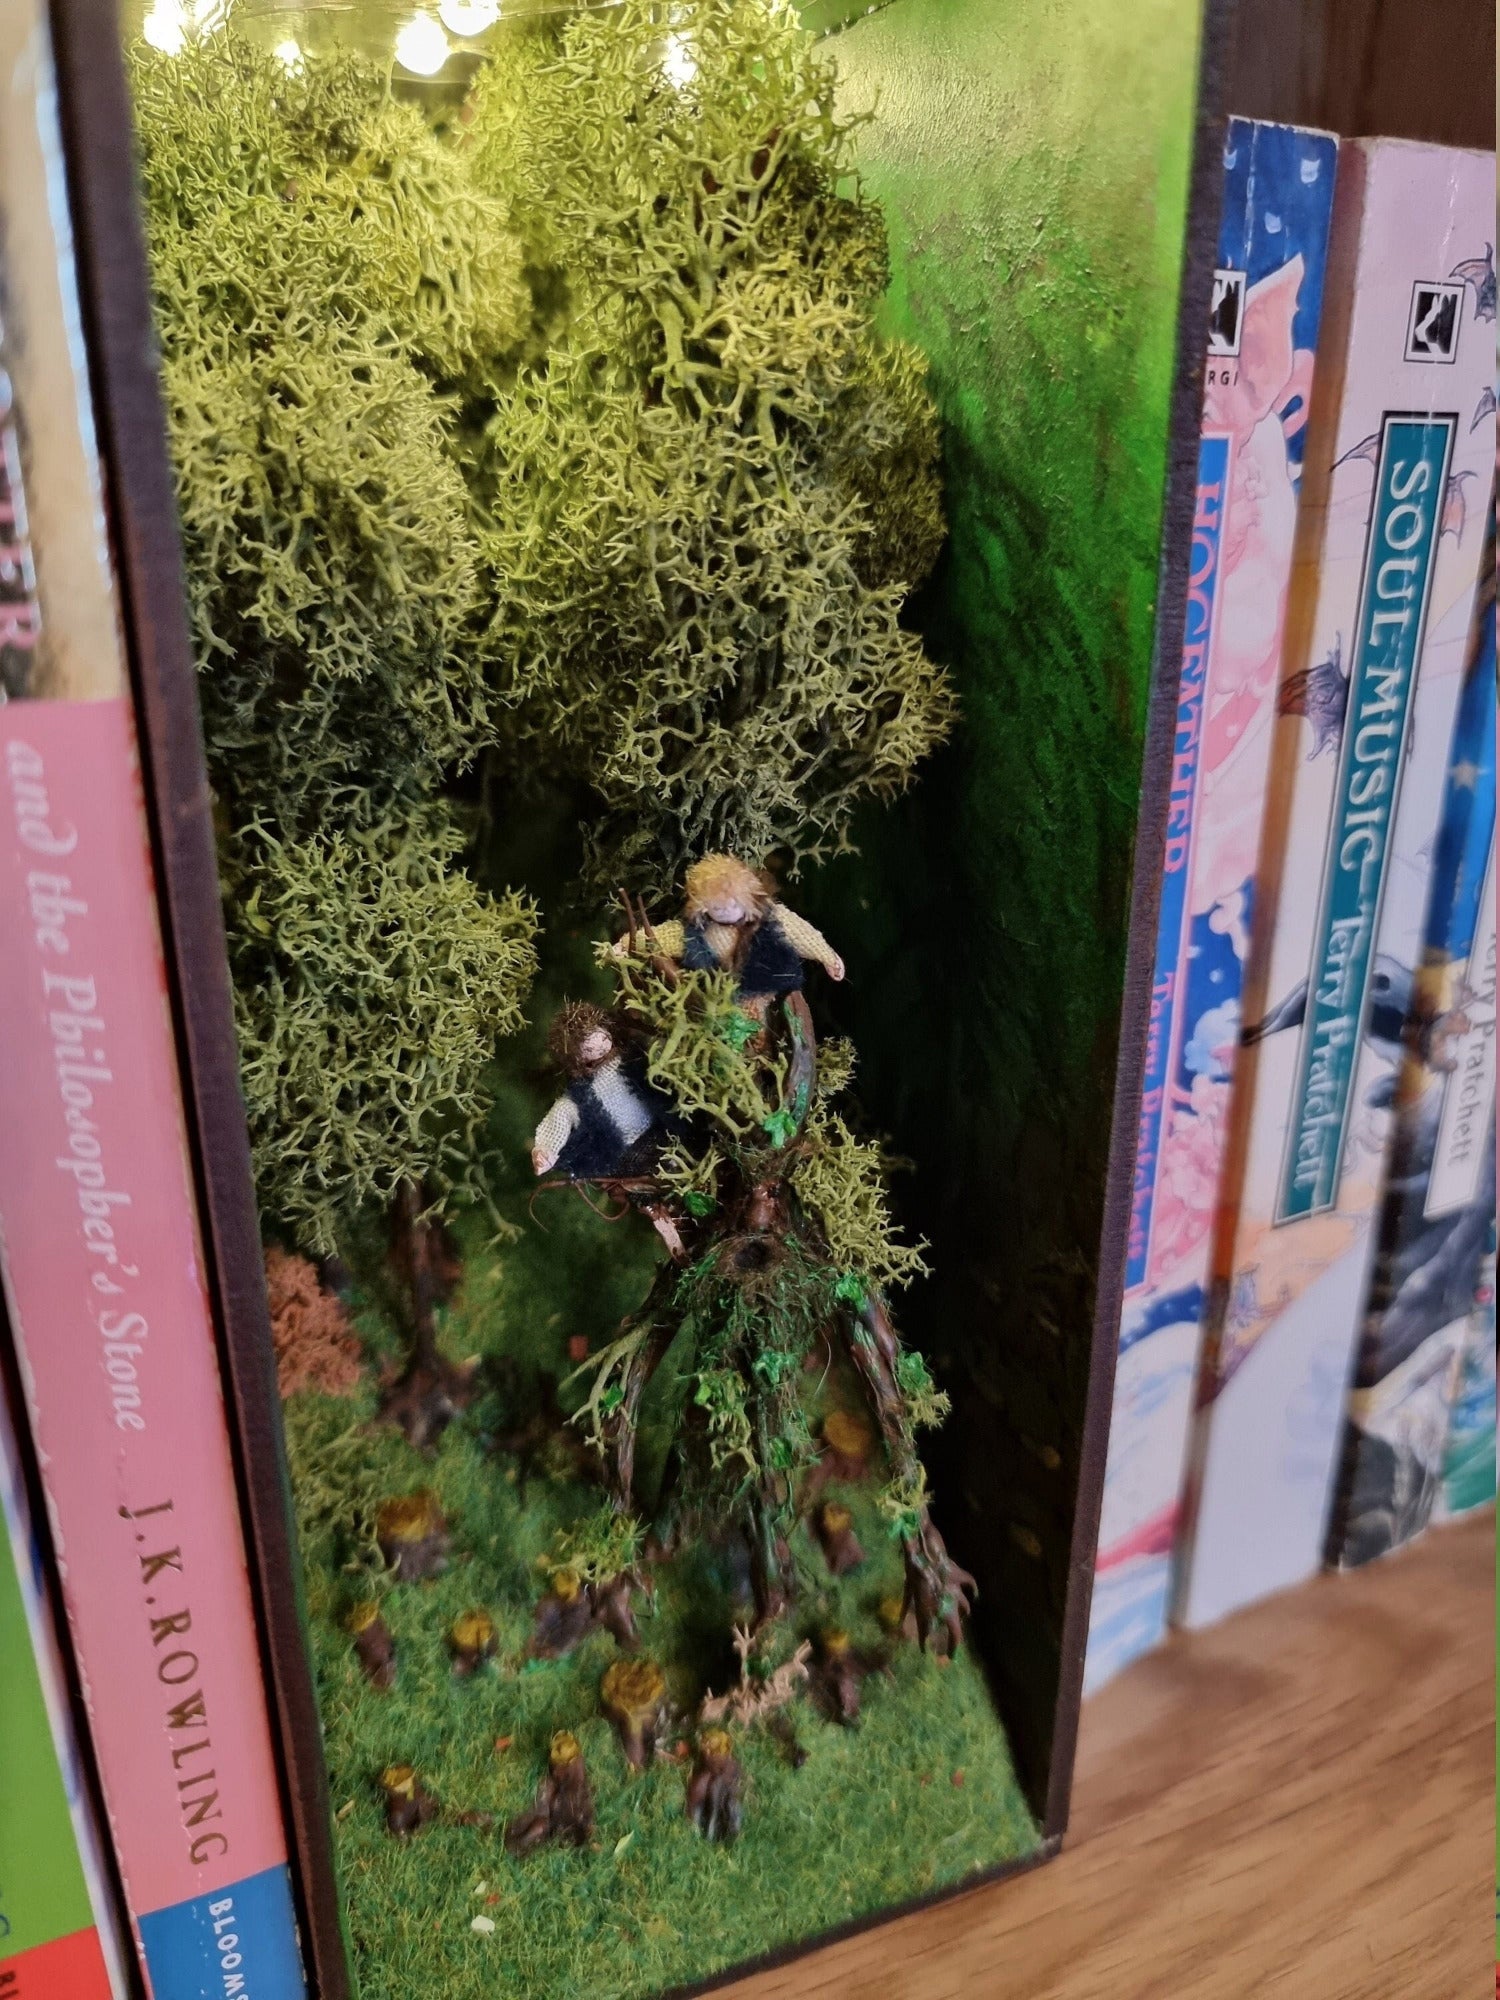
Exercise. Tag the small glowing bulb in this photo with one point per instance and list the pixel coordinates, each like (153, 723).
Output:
(468, 17)
(289, 55)
(421, 46)
(679, 62)
(165, 27)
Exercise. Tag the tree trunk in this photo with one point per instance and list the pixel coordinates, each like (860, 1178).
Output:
(431, 1390)
(414, 1252)
(937, 1590)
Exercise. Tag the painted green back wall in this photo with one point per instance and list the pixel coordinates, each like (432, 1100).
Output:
(1032, 159)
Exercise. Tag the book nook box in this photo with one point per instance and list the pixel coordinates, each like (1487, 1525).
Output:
(638, 532)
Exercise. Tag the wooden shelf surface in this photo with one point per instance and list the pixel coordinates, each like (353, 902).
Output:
(1296, 1805)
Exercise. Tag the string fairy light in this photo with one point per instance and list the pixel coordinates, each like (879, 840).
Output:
(466, 18)
(421, 46)
(166, 27)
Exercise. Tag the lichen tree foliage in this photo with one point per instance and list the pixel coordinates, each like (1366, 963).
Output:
(789, 1253)
(331, 291)
(371, 980)
(706, 506)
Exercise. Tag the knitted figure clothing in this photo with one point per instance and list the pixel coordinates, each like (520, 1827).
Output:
(598, 1128)
(773, 953)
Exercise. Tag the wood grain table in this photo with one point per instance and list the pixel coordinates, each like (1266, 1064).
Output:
(1297, 1805)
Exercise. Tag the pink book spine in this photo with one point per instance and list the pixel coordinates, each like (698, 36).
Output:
(108, 1307)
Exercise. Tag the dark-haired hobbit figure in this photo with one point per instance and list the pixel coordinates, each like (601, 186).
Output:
(611, 1121)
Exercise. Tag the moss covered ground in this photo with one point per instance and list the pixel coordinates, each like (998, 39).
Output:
(921, 1795)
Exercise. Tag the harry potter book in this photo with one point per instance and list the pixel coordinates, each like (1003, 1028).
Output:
(1262, 341)
(102, 1260)
(1398, 466)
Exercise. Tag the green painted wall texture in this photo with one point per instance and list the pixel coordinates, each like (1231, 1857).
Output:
(1032, 159)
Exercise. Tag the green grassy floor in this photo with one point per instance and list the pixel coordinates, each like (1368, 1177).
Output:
(921, 1795)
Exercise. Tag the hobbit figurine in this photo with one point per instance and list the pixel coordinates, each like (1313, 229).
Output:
(610, 1122)
(604, 1125)
(731, 923)
(713, 1793)
(564, 1809)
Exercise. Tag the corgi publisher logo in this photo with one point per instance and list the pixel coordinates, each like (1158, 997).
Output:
(1227, 313)
(1432, 329)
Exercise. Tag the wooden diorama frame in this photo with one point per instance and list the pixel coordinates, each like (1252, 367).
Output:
(1038, 1690)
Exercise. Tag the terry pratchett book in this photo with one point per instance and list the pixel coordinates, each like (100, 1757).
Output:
(1469, 1455)
(1439, 1202)
(1398, 467)
(1262, 342)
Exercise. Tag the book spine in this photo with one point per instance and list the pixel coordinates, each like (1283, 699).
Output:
(58, 1935)
(1468, 1479)
(1399, 460)
(1439, 1201)
(1268, 297)
(99, 1242)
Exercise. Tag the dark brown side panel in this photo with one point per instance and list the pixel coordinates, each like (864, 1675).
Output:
(1403, 69)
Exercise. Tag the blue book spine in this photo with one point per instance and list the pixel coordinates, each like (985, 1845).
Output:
(1438, 1210)
(1259, 352)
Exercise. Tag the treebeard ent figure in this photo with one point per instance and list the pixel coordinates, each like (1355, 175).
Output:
(788, 1254)
(731, 923)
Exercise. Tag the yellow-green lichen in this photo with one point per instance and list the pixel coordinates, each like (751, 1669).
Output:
(325, 272)
(372, 978)
(842, 1180)
(333, 292)
(704, 511)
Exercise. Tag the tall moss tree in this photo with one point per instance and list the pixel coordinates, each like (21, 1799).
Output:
(705, 506)
(331, 290)
(787, 1257)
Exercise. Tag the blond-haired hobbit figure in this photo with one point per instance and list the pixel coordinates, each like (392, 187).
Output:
(731, 922)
